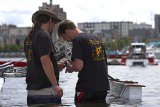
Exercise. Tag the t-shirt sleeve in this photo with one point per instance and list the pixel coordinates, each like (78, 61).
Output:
(44, 45)
(77, 50)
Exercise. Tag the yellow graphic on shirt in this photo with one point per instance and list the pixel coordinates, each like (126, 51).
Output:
(97, 50)
(28, 50)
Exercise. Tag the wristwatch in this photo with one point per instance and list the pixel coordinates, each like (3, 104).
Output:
(55, 85)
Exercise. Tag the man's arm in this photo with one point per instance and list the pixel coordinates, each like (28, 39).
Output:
(76, 65)
(49, 71)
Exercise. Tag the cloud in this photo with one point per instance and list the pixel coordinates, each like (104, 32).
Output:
(14, 16)
(19, 11)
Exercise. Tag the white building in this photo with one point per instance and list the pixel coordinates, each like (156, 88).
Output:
(17, 35)
(111, 29)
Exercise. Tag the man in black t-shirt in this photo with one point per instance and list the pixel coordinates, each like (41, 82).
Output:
(89, 59)
(42, 68)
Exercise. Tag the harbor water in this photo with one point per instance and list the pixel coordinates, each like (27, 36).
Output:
(14, 89)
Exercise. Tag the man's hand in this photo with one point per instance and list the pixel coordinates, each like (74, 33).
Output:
(68, 67)
(58, 91)
(61, 65)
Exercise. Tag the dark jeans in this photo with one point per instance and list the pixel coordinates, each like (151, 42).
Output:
(42, 99)
(89, 97)
(93, 104)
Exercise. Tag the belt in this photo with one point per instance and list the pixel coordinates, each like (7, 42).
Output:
(44, 91)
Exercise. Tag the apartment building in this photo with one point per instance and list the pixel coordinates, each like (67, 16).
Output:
(4, 33)
(157, 24)
(112, 30)
(17, 35)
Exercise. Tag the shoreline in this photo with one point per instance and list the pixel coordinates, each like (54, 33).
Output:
(12, 54)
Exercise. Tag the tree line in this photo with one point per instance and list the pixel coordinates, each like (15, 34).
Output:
(11, 48)
(115, 44)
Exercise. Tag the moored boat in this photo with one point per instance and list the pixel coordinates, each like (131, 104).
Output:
(137, 55)
(1, 84)
(16, 72)
(125, 91)
(10, 69)
(116, 59)
(15, 63)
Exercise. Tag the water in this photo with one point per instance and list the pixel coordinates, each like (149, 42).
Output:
(14, 93)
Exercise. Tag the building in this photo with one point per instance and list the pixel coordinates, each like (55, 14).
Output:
(141, 32)
(4, 33)
(17, 35)
(157, 25)
(108, 31)
(11, 34)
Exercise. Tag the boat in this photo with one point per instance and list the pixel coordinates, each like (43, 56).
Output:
(125, 91)
(9, 69)
(5, 67)
(138, 56)
(153, 47)
(1, 84)
(15, 63)
(116, 61)
(16, 72)
(152, 58)
(115, 58)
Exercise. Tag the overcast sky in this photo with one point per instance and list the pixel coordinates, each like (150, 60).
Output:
(19, 12)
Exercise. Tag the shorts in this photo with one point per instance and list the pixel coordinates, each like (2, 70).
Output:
(97, 96)
(43, 96)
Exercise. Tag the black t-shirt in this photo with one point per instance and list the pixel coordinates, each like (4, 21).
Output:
(94, 75)
(39, 45)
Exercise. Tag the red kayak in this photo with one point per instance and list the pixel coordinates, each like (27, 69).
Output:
(15, 63)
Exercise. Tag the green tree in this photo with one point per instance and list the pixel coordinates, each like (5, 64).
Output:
(11, 48)
(117, 44)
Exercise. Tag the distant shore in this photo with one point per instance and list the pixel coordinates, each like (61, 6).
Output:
(11, 54)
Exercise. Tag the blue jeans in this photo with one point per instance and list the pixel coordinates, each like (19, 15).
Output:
(42, 96)
(42, 99)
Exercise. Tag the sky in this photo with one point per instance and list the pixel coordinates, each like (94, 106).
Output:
(19, 12)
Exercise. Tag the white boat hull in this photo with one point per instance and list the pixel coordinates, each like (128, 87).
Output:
(132, 62)
(128, 91)
(1, 84)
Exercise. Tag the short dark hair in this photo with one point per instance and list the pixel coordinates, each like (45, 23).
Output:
(64, 25)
